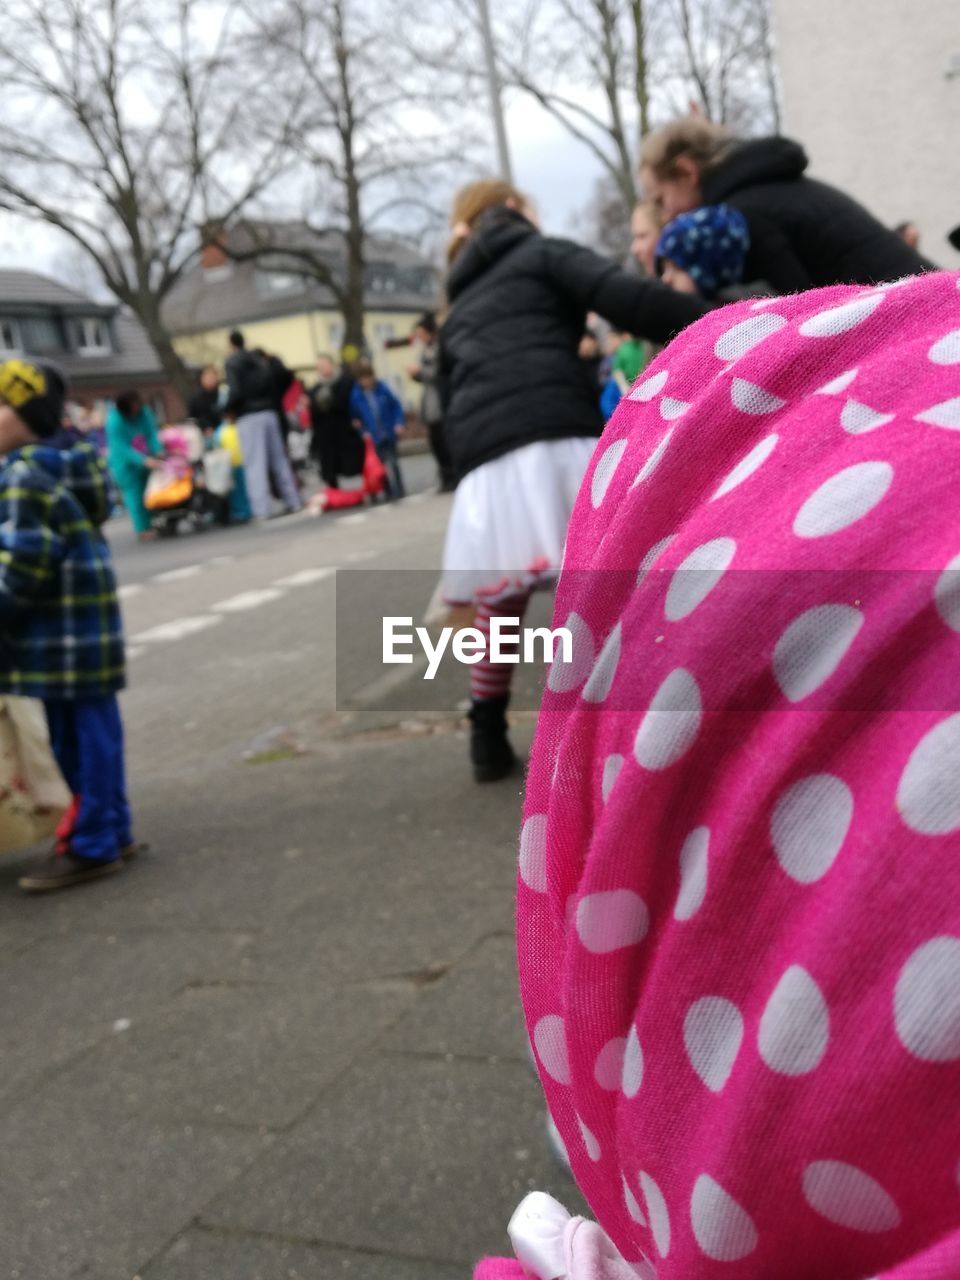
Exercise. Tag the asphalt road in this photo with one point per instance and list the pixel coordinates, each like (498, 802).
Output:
(286, 1042)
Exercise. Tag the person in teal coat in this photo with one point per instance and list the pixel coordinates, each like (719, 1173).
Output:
(133, 450)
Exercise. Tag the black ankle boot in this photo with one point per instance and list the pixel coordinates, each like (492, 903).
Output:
(490, 751)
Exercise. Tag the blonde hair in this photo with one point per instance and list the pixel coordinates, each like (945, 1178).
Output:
(650, 210)
(694, 137)
(472, 202)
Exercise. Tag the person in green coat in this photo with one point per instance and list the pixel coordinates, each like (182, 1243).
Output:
(134, 449)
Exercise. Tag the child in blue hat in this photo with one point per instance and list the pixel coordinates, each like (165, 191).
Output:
(705, 252)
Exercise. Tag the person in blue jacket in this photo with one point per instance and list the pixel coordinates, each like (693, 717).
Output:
(133, 450)
(380, 415)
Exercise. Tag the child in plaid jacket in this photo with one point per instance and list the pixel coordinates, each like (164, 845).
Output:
(61, 636)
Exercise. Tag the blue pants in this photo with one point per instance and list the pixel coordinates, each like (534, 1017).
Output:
(86, 735)
(239, 501)
(387, 453)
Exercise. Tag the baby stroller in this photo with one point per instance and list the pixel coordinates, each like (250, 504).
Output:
(192, 484)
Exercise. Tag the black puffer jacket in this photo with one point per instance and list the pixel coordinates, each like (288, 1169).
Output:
(518, 302)
(803, 233)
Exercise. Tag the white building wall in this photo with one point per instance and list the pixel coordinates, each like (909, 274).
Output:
(872, 90)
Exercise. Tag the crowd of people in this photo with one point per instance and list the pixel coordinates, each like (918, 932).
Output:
(269, 423)
(739, 897)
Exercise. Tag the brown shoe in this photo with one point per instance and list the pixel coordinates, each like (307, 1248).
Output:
(133, 849)
(63, 871)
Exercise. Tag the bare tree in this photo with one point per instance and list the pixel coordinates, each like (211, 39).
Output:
(607, 70)
(718, 55)
(367, 140)
(125, 123)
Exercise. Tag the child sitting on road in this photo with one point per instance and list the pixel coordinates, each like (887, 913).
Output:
(705, 252)
(61, 637)
(739, 896)
(379, 415)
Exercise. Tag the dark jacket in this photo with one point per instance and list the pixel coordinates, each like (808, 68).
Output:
(518, 304)
(60, 630)
(803, 233)
(336, 444)
(251, 384)
(204, 408)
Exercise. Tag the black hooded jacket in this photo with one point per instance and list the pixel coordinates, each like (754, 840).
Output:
(510, 373)
(803, 233)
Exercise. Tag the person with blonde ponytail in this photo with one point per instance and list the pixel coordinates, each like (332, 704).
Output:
(521, 415)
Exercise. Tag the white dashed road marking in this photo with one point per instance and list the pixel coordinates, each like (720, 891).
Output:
(130, 589)
(247, 600)
(177, 629)
(177, 575)
(305, 578)
(359, 518)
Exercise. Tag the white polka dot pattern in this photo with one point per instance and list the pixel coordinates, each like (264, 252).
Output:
(723, 1229)
(927, 1001)
(743, 337)
(696, 576)
(693, 874)
(749, 398)
(533, 853)
(810, 824)
(657, 1214)
(795, 1027)
(947, 594)
(812, 647)
(612, 919)
(845, 498)
(946, 414)
(748, 465)
(670, 725)
(848, 1197)
(713, 1034)
(928, 796)
(605, 471)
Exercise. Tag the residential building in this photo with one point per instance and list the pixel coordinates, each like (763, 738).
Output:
(283, 310)
(872, 90)
(100, 347)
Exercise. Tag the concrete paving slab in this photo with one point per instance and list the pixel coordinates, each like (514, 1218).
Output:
(200, 1254)
(380, 1163)
(473, 1012)
(66, 994)
(257, 1056)
(88, 1193)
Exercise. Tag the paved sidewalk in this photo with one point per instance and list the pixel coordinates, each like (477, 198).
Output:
(286, 1044)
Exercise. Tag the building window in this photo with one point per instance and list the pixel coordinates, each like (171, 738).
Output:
(9, 335)
(41, 334)
(278, 284)
(93, 336)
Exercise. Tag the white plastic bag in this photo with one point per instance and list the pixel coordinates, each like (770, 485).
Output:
(33, 794)
(218, 472)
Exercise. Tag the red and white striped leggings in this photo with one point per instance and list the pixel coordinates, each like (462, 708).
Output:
(492, 679)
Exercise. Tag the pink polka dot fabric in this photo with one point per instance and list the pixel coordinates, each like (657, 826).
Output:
(739, 897)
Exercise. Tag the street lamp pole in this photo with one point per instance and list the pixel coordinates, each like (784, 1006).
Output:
(493, 83)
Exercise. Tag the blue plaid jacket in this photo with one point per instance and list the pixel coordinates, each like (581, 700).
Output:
(61, 634)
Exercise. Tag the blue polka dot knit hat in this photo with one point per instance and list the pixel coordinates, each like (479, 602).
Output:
(710, 244)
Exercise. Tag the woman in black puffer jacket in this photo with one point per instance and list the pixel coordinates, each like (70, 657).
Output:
(522, 416)
(803, 233)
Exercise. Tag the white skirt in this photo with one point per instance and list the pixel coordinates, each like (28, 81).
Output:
(509, 521)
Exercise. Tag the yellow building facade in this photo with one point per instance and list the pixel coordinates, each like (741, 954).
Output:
(299, 339)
